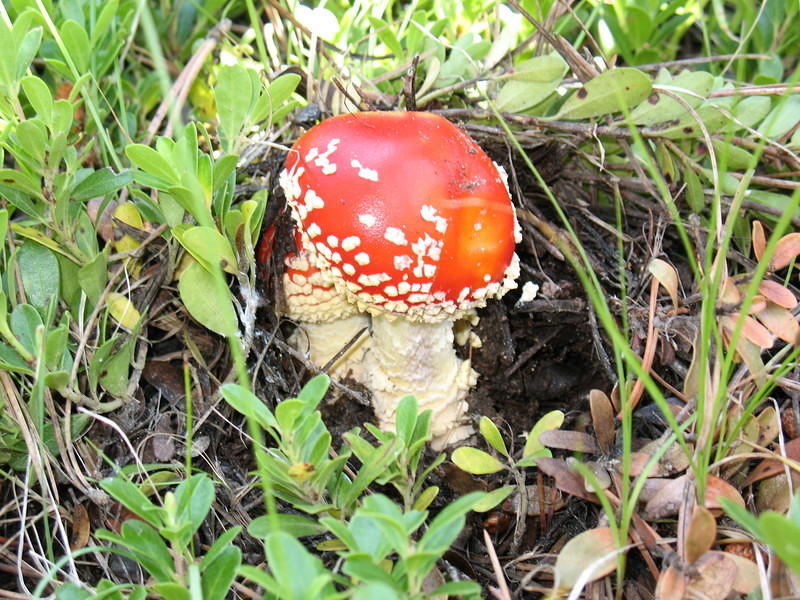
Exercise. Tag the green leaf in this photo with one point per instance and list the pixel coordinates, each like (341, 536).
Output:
(172, 591)
(93, 276)
(314, 391)
(751, 110)
(296, 525)
(150, 161)
(782, 118)
(150, 549)
(247, 403)
(427, 496)
(494, 498)
(456, 588)
(211, 306)
(552, 420)
(194, 497)
(492, 435)
(385, 34)
(609, 92)
(446, 526)
(220, 573)
(660, 107)
(39, 96)
(26, 50)
(40, 275)
(377, 590)
(235, 95)
(531, 82)
(76, 41)
(287, 558)
(101, 183)
(132, 498)
(220, 544)
(783, 536)
(475, 461)
(22, 182)
(406, 419)
(209, 247)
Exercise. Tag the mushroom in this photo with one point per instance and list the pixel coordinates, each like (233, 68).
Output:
(410, 222)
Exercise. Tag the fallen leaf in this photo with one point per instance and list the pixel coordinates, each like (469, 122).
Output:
(671, 584)
(667, 276)
(772, 466)
(713, 576)
(777, 293)
(781, 322)
(786, 250)
(759, 239)
(591, 554)
(569, 440)
(603, 420)
(700, 534)
(747, 575)
(81, 527)
(717, 488)
(566, 479)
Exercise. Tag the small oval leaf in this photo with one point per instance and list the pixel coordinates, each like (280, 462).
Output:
(609, 92)
(475, 461)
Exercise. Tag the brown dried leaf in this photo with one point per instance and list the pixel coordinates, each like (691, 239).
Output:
(700, 534)
(552, 497)
(667, 500)
(569, 440)
(582, 553)
(772, 466)
(603, 420)
(667, 276)
(713, 577)
(566, 479)
(729, 294)
(747, 576)
(768, 426)
(781, 322)
(787, 249)
(777, 293)
(81, 527)
(759, 239)
(674, 460)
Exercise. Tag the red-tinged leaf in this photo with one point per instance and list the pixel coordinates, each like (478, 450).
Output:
(717, 488)
(586, 557)
(777, 293)
(759, 239)
(756, 333)
(787, 249)
(772, 466)
(569, 440)
(671, 584)
(781, 322)
(758, 304)
(566, 479)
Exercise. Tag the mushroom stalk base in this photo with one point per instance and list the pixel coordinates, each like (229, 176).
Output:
(409, 357)
(321, 342)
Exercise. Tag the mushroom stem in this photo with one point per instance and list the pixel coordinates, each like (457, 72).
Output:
(321, 342)
(411, 357)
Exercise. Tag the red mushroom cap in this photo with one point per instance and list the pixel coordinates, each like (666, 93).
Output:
(405, 212)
